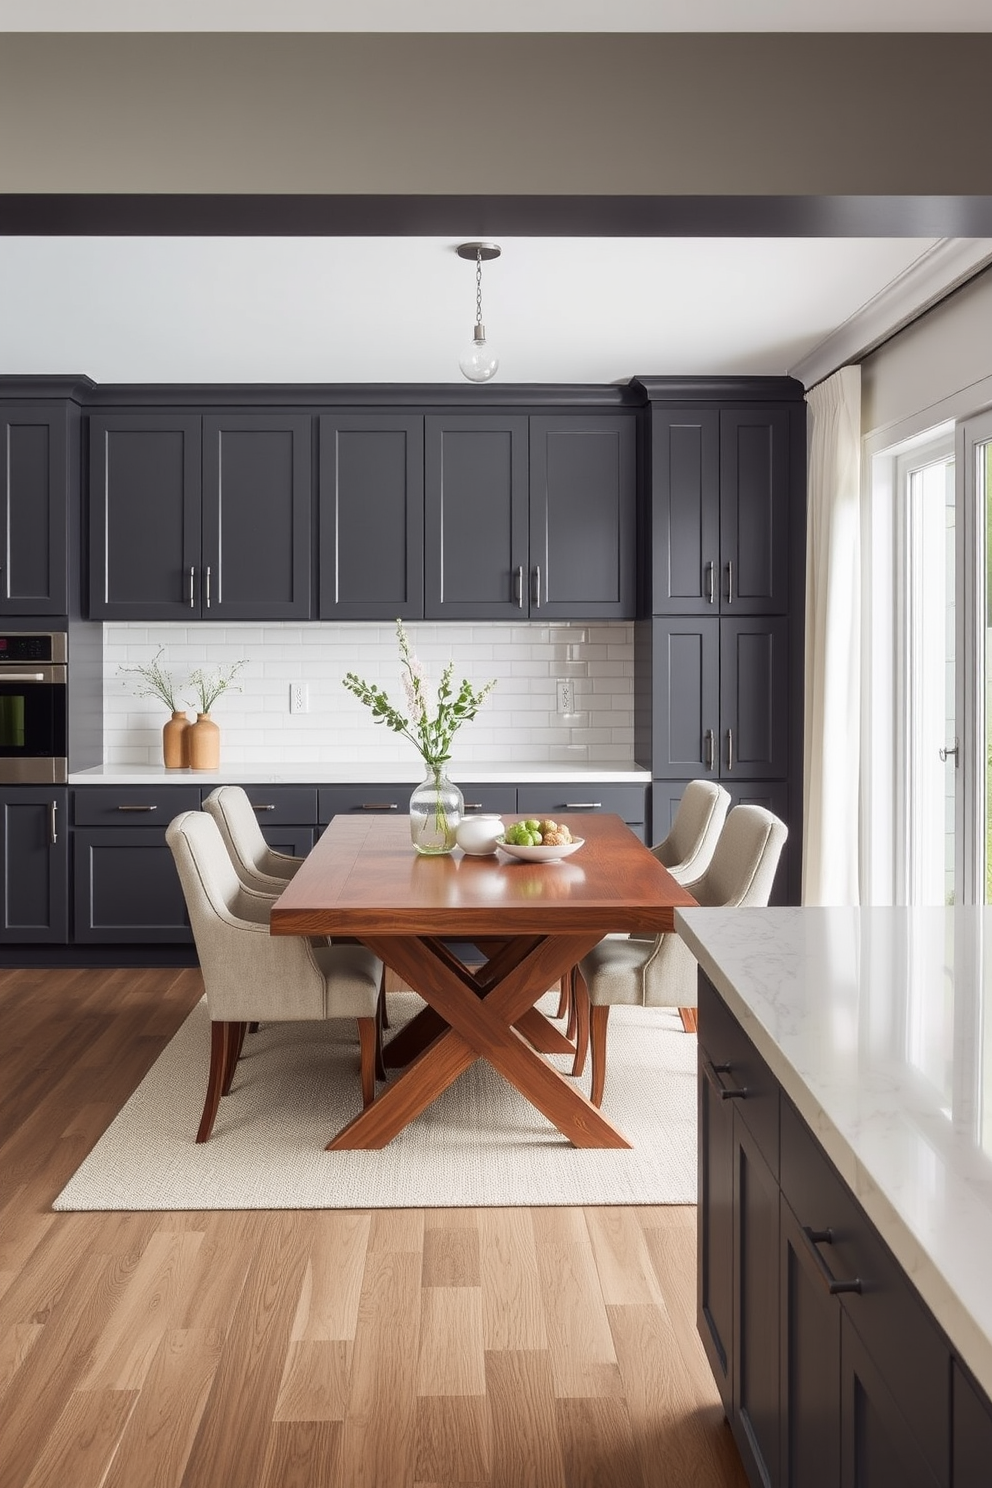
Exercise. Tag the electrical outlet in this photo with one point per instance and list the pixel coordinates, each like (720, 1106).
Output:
(566, 698)
(299, 697)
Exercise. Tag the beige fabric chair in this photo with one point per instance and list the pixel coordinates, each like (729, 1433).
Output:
(257, 865)
(249, 974)
(662, 972)
(689, 846)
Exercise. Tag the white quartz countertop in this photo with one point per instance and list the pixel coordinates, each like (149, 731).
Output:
(360, 772)
(878, 1025)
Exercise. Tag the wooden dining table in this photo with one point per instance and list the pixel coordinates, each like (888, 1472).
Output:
(526, 925)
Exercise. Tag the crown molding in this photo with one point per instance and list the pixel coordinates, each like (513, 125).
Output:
(934, 275)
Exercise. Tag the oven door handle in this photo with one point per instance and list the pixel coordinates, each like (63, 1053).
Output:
(22, 676)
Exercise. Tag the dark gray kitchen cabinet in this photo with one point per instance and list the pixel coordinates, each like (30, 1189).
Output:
(551, 798)
(371, 516)
(126, 889)
(287, 816)
(583, 508)
(476, 514)
(35, 857)
(721, 484)
(34, 489)
(721, 698)
(200, 516)
(972, 1440)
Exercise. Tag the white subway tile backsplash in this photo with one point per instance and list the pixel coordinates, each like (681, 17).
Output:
(519, 723)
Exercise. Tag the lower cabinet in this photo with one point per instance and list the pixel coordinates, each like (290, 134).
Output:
(126, 888)
(630, 802)
(34, 838)
(832, 1371)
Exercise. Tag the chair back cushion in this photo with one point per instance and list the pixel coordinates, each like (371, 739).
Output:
(745, 859)
(688, 849)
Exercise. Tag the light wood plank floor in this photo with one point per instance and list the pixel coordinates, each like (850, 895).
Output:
(519, 1348)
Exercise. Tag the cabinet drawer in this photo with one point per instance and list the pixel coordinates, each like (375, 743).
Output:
(887, 1313)
(499, 798)
(275, 804)
(627, 801)
(142, 806)
(730, 1062)
(338, 800)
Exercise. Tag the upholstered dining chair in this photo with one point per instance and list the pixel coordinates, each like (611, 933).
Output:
(249, 975)
(257, 865)
(685, 852)
(662, 972)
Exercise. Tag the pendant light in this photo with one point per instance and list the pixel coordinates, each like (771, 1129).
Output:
(478, 361)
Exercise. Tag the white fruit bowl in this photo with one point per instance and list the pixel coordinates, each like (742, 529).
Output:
(540, 854)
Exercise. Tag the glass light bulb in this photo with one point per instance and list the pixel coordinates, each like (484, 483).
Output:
(478, 361)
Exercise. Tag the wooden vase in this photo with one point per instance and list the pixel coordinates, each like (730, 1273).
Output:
(174, 735)
(204, 743)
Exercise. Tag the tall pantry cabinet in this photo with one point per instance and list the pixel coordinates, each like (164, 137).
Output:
(720, 650)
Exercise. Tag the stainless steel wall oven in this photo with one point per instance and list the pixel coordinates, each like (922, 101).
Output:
(33, 694)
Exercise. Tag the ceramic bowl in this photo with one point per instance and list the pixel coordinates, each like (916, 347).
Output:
(478, 834)
(540, 854)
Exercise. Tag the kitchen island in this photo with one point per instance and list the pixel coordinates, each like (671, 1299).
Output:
(846, 1189)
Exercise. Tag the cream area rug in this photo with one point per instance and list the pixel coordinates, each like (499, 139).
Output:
(479, 1144)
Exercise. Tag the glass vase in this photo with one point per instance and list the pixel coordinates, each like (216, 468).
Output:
(436, 808)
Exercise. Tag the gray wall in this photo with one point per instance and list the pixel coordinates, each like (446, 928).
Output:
(387, 114)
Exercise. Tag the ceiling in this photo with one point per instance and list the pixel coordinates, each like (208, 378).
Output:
(509, 15)
(401, 309)
(354, 309)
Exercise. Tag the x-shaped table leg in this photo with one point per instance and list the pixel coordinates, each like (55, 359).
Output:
(480, 1026)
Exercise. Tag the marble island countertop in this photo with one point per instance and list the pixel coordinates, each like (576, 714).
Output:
(362, 772)
(878, 1025)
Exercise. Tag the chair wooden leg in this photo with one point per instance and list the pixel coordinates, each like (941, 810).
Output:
(235, 1043)
(690, 1019)
(598, 1019)
(580, 1017)
(219, 1035)
(564, 995)
(380, 1024)
(253, 1027)
(571, 1027)
(367, 1030)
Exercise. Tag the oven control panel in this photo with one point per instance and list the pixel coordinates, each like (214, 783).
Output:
(32, 646)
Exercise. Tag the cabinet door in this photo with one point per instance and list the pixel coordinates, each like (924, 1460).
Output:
(810, 1364)
(715, 1226)
(476, 562)
(371, 516)
(685, 510)
(35, 858)
(877, 1447)
(972, 1443)
(754, 511)
(34, 487)
(126, 887)
(256, 549)
(583, 501)
(685, 701)
(756, 1319)
(144, 516)
(754, 699)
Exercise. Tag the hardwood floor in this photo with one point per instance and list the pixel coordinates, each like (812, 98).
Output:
(552, 1348)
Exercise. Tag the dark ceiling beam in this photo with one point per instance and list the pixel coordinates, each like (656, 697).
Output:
(182, 215)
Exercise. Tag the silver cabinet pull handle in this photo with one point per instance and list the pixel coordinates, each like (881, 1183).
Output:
(710, 582)
(730, 581)
(137, 808)
(730, 749)
(473, 805)
(583, 806)
(263, 808)
(52, 822)
(208, 586)
(379, 806)
(192, 599)
(708, 737)
(537, 586)
(518, 586)
(816, 1238)
(945, 754)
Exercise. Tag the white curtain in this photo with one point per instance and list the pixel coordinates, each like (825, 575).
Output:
(831, 776)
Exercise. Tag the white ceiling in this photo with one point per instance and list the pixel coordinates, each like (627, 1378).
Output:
(508, 15)
(397, 310)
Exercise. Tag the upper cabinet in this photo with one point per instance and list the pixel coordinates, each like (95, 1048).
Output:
(530, 517)
(200, 516)
(721, 490)
(35, 485)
